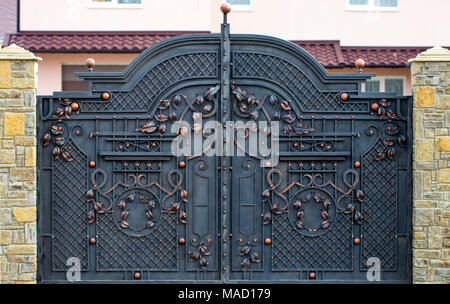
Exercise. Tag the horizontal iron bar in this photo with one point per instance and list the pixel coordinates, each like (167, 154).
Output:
(323, 154)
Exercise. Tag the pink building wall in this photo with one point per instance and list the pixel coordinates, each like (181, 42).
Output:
(415, 24)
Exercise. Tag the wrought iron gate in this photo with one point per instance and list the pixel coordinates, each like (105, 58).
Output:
(113, 197)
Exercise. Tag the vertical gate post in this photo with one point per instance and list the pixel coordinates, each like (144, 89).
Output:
(18, 82)
(431, 166)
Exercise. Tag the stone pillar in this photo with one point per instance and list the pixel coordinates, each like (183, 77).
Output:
(18, 82)
(431, 166)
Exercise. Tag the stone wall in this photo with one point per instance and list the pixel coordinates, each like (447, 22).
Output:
(431, 165)
(18, 83)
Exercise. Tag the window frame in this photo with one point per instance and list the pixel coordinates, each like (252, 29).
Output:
(241, 7)
(382, 80)
(113, 4)
(370, 7)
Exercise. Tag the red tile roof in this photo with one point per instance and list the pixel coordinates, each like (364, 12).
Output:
(381, 56)
(92, 42)
(328, 52)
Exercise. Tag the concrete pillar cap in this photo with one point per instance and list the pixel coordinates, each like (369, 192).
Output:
(15, 52)
(434, 54)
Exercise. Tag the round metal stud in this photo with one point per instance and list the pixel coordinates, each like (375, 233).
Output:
(375, 106)
(267, 241)
(344, 96)
(357, 164)
(181, 241)
(356, 241)
(225, 8)
(137, 275)
(75, 106)
(181, 164)
(106, 96)
(92, 164)
(92, 241)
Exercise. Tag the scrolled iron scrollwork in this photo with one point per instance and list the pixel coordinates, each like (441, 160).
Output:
(311, 191)
(135, 193)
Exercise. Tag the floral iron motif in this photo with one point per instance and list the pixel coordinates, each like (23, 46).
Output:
(55, 135)
(248, 252)
(200, 251)
(205, 103)
(248, 106)
(66, 108)
(391, 135)
(317, 198)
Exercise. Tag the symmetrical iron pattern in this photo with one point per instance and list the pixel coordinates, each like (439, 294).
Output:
(70, 208)
(160, 77)
(114, 193)
(268, 67)
(379, 229)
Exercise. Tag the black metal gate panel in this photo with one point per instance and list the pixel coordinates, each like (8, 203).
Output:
(114, 198)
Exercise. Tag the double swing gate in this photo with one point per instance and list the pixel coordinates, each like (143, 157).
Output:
(117, 204)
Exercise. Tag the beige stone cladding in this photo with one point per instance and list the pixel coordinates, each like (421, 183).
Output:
(431, 165)
(18, 68)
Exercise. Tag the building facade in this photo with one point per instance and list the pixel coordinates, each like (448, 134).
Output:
(114, 32)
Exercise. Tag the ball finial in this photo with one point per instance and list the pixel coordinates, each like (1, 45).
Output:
(225, 8)
(90, 62)
(360, 63)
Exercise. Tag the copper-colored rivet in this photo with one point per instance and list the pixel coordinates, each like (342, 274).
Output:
(181, 164)
(356, 241)
(267, 241)
(75, 106)
(137, 275)
(375, 106)
(92, 164)
(225, 8)
(181, 241)
(357, 164)
(344, 96)
(92, 241)
(105, 96)
(312, 275)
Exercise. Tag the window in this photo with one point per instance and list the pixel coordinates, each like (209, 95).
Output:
(240, 5)
(372, 5)
(385, 84)
(70, 82)
(115, 3)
